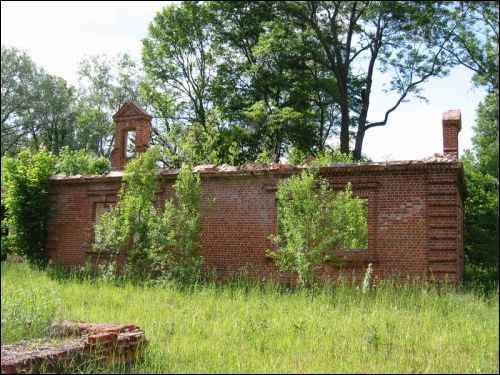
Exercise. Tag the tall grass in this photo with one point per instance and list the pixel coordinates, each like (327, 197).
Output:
(267, 328)
(29, 308)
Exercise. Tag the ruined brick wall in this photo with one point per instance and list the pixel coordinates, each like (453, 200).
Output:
(415, 217)
(130, 117)
(79, 346)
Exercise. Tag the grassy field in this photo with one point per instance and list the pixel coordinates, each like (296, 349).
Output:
(252, 329)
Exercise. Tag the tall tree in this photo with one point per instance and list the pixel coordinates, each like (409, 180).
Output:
(20, 78)
(404, 39)
(475, 42)
(105, 84)
(37, 108)
(179, 61)
(475, 46)
(272, 83)
(52, 115)
(481, 203)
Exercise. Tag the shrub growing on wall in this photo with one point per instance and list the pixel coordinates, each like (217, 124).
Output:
(81, 162)
(314, 221)
(160, 243)
(25, 180)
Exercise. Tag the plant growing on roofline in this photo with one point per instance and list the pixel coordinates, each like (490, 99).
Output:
(314, 221)
(160, 243)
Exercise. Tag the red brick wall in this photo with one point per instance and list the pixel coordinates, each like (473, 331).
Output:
(415, 217)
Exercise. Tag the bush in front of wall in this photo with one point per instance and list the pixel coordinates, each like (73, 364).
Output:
(25, 180)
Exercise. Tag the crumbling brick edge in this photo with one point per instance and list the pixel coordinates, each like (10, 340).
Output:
(86, 344)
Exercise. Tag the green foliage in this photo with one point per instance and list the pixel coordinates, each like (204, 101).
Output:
(125, 226)
(52, 116)
(25, 180)
(37, 108)
(94, 129)
(475, 41)
(106, 83)
(485, 139)
(198, 145)
(314, 221)
(481, 203)
(160, 243)
(296, 156)
(72, 163)
(19, 76)
(326, 157)
(409, 42)
(475, 46)
(175, 233)
(481, 222)
(7, 244)
(179, 64)
(264, 157)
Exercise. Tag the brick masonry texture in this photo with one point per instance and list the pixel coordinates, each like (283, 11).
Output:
(93, 344)
(415, 215)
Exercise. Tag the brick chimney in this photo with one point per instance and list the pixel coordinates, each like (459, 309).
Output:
(132, 134)
(452, 123)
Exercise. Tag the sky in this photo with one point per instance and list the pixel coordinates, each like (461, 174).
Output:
(57, 35)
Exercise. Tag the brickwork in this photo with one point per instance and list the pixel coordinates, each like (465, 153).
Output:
(80, 344)
(452, 124)
(415, 213)
(130, 118)
(414, 218)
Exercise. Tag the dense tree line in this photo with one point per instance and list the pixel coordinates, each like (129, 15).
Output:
(230, 82)
(41, 109)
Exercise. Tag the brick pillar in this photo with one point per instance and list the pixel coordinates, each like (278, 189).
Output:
(129, 118)
(452, 123)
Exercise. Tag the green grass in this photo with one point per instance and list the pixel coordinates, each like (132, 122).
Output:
(251, 329)
(30, 303)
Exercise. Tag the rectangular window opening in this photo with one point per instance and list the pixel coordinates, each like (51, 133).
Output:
(100, 209)
(357, 226)
(351, 225)
(129, 142)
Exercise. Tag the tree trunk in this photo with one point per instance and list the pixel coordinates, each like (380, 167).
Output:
(344, 125)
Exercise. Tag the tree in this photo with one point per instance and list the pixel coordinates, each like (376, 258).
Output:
(105, 84)
(272, 87)
(94, 131)
(51, 117)
(481, 233)
(20, 77)
(485, 139)
(405, 39)
(475, 42)
(481, 203)
(37, 108)
(475, 46)
(179, 62)
(81, 162)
